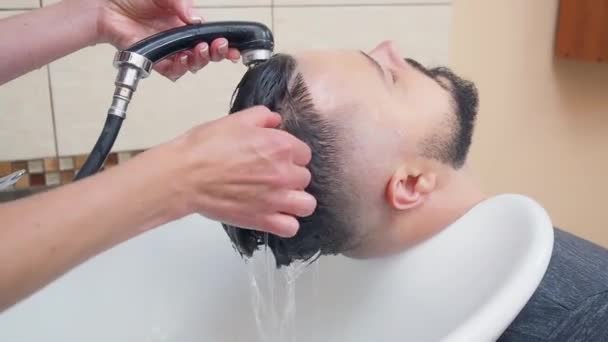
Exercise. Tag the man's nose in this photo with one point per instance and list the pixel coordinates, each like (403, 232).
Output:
(387, 53)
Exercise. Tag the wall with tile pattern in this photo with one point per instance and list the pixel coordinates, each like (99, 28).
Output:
(74, 92)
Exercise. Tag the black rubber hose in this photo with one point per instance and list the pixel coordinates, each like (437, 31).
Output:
(102, 147)
(241, 35)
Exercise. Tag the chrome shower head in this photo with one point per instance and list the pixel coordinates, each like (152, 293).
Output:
(253, 57)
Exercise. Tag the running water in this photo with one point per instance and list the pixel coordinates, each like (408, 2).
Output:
(274, 298)
(259, 309)
(288, 323)
(316, 300)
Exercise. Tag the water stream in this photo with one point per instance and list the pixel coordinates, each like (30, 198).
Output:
(274, 297)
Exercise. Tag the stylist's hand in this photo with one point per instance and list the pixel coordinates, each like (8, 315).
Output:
(242, 171)
(124, 22)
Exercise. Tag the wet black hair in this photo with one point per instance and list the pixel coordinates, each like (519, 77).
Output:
(276, 85)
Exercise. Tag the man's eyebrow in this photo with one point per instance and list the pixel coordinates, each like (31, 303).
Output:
(376, 65)
(430, 73)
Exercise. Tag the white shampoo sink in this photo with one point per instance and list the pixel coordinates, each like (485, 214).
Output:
(184, 282)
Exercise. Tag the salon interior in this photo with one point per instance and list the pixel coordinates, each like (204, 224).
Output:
(528, 263)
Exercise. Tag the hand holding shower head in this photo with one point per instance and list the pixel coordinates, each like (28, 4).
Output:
(254, 40)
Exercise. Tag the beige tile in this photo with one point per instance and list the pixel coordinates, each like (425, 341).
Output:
(66, 163)
(357, 2)
(25, 116)
(52, 178)
(35, 166)
(124, 157)
(83, 84)
(20, 4)
(79, 161)
(422, 32)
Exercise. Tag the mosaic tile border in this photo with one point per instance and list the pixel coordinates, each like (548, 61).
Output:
(54, 171)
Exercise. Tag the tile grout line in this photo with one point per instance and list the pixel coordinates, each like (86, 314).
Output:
(272, 5)
(52, 102)
(17, 9)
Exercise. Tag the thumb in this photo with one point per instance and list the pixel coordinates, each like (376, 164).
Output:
(258, 116)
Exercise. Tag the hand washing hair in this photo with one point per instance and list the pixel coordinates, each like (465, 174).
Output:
(277, 85)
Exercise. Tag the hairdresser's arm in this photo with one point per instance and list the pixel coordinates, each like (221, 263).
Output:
(35, 38)
(255, 182)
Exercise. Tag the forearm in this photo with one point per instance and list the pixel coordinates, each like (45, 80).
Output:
(44, 236)
(36, 38)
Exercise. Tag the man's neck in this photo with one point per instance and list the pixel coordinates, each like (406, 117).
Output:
(452, 200)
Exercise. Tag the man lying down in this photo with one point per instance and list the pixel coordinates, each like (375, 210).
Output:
(389, 139)
(389, 142)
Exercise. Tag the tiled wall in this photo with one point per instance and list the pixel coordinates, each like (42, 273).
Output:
(58, 110)
(52, 171)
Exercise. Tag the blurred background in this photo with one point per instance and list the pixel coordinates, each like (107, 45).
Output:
(542, 75)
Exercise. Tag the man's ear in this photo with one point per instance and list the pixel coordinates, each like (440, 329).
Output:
(408, 188)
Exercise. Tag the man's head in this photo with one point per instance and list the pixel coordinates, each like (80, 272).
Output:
(384, 132)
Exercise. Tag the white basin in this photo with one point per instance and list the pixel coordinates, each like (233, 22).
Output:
(184, 282)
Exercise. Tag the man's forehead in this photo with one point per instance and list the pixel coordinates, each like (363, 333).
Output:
(337, 78)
